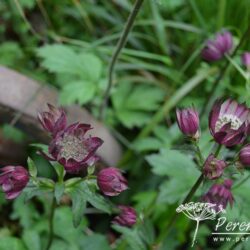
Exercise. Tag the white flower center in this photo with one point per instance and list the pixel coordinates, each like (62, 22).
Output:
(72, 147)
(234, 121)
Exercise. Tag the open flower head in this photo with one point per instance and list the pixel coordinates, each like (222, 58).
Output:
(228, 122)
(72, 149)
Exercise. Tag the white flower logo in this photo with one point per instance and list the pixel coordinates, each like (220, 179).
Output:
(200, 211)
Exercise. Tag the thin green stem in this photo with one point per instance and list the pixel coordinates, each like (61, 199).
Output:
(236, 66)
(219, 147)
(175, 216)
(221, 13)
(51, 223)
(122, 41)
(168, 105)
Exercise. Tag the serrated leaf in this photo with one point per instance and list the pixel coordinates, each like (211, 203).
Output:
(133, 103)
(77, 92)
(32, 167)
(59, 58)
(131, 236)
(94, 198)
(59, 190)
(30, 192)
(181, 171)
(78, 206)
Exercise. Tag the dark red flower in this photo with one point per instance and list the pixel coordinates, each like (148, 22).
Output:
(228, 122)
(71, 149)
(220, 194)
(127, 216)
(216, 49)
(111, 182)
(53, 120)
(188, 122)
(244, 155)
(213, 168)
(13, 180)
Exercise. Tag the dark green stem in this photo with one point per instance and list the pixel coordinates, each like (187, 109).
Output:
(175, 216)
(217, 150)
(120, 45)
(51, 224)
(221, 75)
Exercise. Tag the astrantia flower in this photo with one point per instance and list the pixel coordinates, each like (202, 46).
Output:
(244, 155)
(220, 194)
(215, 49)
(188, 122)
(127, 216)
(13, 180)
(213, 168)
(228, 122)
(71, 149)
(53, 120)
(111, 182)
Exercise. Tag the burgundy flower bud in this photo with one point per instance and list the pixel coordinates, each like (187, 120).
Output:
(188, 122)
(245, 59)
(13, 180)
(216, 49)
(127, 216)
(228, 122)
(244, 155)
(53, 120)
(213, 168)
(111, 182)
(71, 149)
(220, 194)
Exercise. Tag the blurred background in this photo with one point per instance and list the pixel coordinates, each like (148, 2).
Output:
(59, 51)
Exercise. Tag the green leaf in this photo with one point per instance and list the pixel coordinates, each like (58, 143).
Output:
(13, 133)
(78, 206)
(32, 240)
(132, 237)
(32, 167)
(173, 163)
(77, 92)
(11, 243)
(181, 171)
(133, 104)
(146, 144)
(30, 192)
(95, 199)
(40, 146)
(59, 170)
(63, 59)
(59, 190)
(95, 242)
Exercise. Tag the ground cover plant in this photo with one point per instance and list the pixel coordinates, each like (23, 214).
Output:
(170, 80)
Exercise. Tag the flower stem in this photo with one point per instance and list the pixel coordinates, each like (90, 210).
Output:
(175, 216)
(218, 150)
(116, 54)
(196, 231)
(211, 94)
(51, 224)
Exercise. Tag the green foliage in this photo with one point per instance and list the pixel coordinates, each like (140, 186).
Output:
(179, 167)
(83, 69)
(133, 104)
